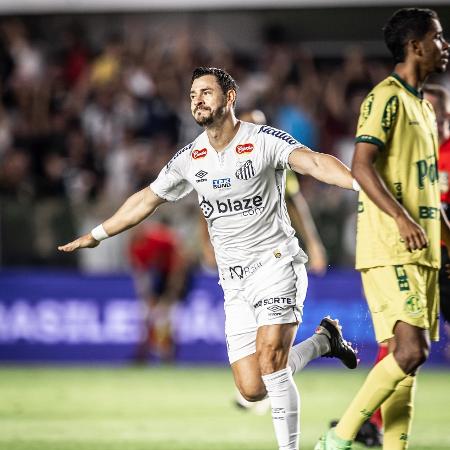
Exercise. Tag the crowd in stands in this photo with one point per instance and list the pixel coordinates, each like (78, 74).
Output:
(83, 124)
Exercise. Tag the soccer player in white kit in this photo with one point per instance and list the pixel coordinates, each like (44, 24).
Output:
(238, 171)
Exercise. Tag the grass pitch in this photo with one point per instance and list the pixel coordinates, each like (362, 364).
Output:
(181, 409)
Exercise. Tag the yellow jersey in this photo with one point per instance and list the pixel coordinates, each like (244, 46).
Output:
(396, 118)
(292, 184)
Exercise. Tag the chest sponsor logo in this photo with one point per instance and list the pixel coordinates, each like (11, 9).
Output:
(246, 171)
(247, 206)
(200, 176)
(244, 148)
(206, 207)
(275, 303)
(240, 272)
(197, 154)
(427, 172)
(222, 183)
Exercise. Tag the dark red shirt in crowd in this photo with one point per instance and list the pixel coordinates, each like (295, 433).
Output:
(155, 246)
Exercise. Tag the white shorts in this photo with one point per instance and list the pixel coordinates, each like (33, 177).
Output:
(273, 295)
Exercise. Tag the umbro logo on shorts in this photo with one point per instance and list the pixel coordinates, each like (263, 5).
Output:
(246, 171)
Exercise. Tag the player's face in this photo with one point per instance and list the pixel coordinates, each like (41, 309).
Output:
(435, 49)
(208, 102)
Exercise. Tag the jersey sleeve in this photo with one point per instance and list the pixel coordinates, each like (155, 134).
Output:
(171, 183)
(292, 184)
(378, 116)
(278, 145)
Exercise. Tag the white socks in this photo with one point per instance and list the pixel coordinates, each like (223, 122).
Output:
(309, 349)
(285, 402)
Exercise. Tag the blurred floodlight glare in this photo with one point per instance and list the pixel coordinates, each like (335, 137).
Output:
(85, 6)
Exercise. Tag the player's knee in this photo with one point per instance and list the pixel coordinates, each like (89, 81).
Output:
(271, 358)
(253, 393)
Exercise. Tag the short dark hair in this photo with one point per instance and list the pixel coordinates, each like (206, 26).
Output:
(225, 80)
(404, 25)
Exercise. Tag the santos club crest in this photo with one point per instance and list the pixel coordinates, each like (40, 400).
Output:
(246, 171)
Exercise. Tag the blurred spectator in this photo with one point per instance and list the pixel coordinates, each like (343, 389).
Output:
(159, 272)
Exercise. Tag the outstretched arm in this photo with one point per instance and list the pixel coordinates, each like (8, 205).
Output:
(135, 209)
(303, 222)
(373, 185)
(321, 166)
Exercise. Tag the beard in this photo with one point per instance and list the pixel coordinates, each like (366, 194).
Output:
(213, 117)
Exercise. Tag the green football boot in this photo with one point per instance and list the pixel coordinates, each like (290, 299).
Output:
(329, 441)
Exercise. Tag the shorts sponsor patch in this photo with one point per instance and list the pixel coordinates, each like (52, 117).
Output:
(275, 303)
(402, 278)
(413, 306)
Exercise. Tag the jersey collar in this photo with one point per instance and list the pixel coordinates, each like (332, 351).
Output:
(408, 87)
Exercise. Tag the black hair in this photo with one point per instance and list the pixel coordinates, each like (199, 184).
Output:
(225, 80)
(404, 25)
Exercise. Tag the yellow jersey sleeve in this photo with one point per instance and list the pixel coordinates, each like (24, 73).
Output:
(378, 116)
(292, 184)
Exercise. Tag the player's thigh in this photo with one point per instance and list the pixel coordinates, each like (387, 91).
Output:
(240, 325)
(406, 293)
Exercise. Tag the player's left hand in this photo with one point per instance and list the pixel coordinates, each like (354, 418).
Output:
(317, 259)
(85, 241)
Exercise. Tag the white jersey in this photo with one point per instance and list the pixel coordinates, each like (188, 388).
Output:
(241, 194)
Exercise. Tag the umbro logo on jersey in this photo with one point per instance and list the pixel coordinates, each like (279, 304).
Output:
(201, 174)
(244, 148)
(197, 154)
(413, 122)
(246, 171)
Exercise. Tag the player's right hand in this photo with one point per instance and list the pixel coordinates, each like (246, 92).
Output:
(412, 234)
(85, 241)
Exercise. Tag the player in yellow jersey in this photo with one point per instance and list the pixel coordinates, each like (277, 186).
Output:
(399, 226)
